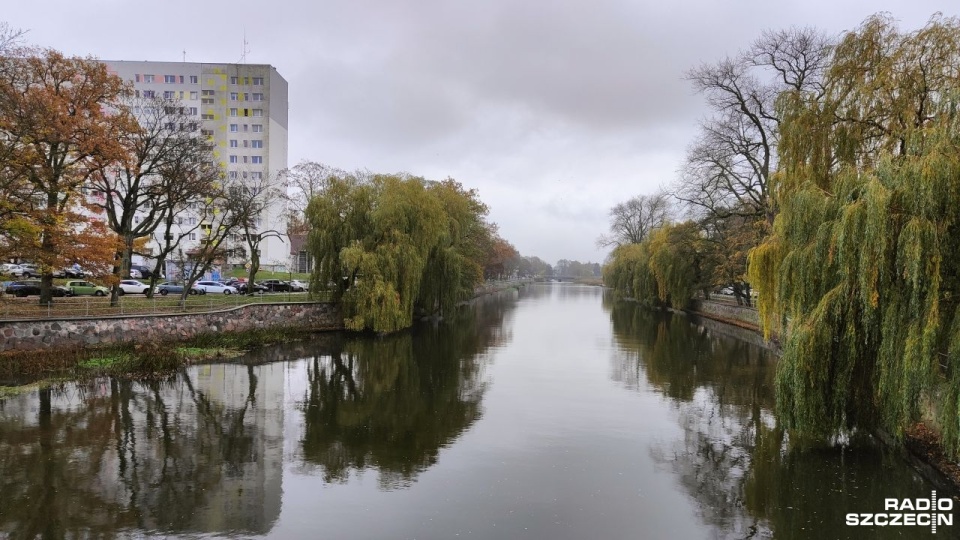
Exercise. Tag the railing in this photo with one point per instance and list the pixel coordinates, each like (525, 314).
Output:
(29, 308)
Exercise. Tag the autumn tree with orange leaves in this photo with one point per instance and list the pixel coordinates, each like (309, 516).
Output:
(64, 120)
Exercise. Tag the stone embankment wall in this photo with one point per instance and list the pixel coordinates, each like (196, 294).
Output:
(743, 316)
(80, 332)
(490, 287)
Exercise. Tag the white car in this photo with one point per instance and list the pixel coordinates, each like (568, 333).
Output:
(14, 270)
(132, 286)
(299, 286)
(215, 287)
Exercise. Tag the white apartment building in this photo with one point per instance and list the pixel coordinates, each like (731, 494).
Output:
(243, 109)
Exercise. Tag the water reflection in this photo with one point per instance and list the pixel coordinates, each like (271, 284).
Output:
(732, 459)
(392, 403)
(203, 451)
(197, 452)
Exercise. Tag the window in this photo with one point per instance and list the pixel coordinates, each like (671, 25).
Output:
(244, 174)
(207, 116)
(233, 128)
(233, 112)
(148, 94)
(193, 236)
(256, 143)
(169, 94)
(233, 143)
(245, 126)
(136, 77)
(193, 79)
(257, 175)
(258, 128)
(257, 159)
(206, 101)
(208, 92)
(192, 221)
(170, 126)
(233, 175)
(179, 220)
(169, 79)
(246, 143)
(234, 96)
(180, 79)
(257, 96)
(258, 81)
(233, 159)
(148, 78)
(192, 111)
(206, 132)
(246, 80)
(193, 95)
(258, 112)
(244, 159)
(233, 80)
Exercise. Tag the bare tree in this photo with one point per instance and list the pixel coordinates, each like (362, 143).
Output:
(730, 164)
(632, 221)
(306, 180)
(134, 195)
(249, 200)
(11, 39)
(189, 190)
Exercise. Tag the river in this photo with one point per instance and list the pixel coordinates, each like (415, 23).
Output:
(553, 412)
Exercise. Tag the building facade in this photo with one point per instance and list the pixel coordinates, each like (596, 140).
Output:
(243, 110)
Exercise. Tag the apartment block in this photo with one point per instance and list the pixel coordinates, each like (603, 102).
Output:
(243, 110)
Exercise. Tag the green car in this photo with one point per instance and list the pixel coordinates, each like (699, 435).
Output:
(78, 288)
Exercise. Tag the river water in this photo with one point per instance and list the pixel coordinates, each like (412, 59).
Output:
(553, 412)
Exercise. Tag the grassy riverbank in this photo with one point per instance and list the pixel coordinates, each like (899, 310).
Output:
(28, 370)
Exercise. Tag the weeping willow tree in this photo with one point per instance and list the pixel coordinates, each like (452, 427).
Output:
(390, 246)
(454, 266)
(665, 269)
(861, 273)
(677, 262)
(628, 273)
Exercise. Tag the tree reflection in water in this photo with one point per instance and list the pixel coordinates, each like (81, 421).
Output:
(732, 458)
(391, 403)
(191, 453)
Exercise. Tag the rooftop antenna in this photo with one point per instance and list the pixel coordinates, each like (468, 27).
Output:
(184, 55)
(246, 48)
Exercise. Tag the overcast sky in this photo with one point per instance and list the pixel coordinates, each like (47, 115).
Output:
(554, 110)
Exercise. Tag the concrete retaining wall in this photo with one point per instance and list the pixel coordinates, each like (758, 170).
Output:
(77, 332)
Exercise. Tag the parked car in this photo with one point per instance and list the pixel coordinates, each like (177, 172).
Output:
(146, 272)
(215, 287)
(70, 272)
(11, 269)
(275, 285)
(79, 288)
(132, 286)
(244, 288)
(32, 288)
(169, 287)
(298, 286)
(30, 270)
